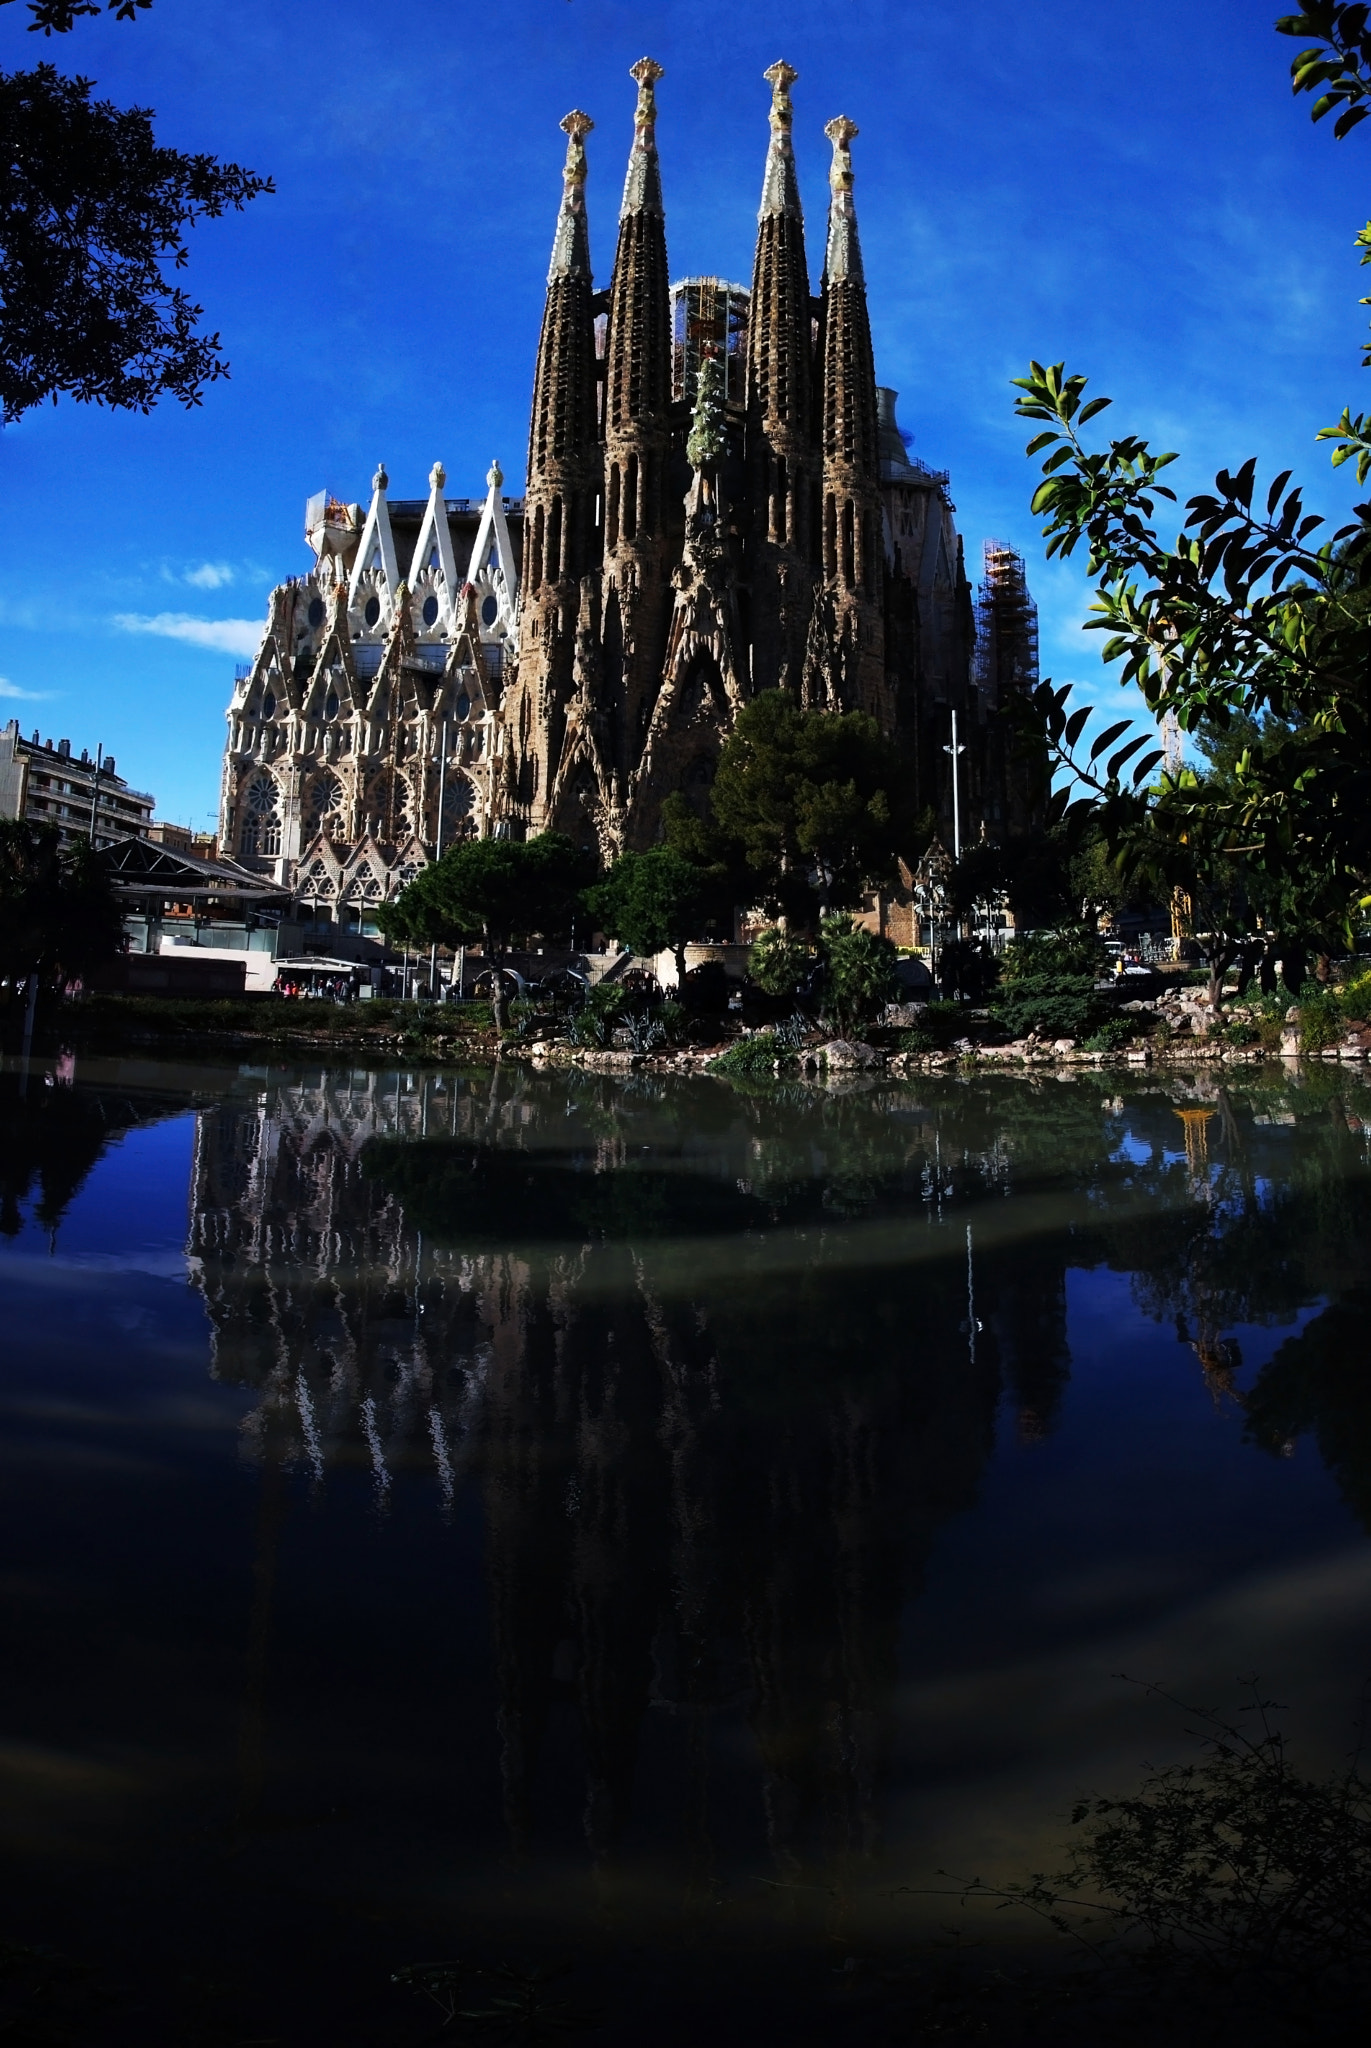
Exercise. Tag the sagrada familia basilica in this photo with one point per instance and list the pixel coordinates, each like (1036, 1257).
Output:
(564, 660)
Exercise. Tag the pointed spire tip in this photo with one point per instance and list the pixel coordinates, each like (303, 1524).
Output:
(643, 185)
(843, 262)
(571, 243)
(780, 189)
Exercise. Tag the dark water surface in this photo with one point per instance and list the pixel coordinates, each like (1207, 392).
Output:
(639, 1523)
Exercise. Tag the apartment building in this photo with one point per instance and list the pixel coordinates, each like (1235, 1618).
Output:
(43, 781)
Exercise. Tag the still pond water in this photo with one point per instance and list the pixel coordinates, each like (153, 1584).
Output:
(640, 1523)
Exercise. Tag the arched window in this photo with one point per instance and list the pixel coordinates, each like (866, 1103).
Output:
(322, 804)
(458, 801)
(631, 499)
(554, 542)
(260, 832)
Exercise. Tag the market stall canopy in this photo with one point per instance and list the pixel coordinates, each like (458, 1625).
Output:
(138, 867)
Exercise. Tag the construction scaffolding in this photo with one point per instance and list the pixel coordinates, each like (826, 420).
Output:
(1006, 656)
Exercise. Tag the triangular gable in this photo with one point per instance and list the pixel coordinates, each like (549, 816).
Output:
(492, 540)
(377, 551)
(435, 539)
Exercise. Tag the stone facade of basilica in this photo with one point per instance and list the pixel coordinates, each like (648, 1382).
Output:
(563, 661)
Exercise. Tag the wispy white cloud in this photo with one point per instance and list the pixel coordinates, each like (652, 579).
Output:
(226, 636)
(209, 575)
(9, 689)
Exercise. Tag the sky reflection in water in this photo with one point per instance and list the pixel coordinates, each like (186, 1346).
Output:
(496, 1506)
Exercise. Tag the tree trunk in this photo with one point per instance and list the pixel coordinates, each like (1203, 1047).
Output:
(1220, 960)
(680, 952)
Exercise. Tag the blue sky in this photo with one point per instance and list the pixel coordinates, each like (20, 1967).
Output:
(1129, 187)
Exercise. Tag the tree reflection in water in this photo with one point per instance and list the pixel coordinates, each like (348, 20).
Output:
(719, 1365)
(52, 1133)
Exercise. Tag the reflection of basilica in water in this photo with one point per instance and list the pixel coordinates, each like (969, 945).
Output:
(713, 1434)
(616, 1438)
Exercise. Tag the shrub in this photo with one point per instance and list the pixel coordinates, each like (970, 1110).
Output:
(706, 989)
(602, 1009)
(751, 1058)
(1354, 996)
(1270, 1031)
(644, 1029)
(967, 967)
(779, 962)
(674, 1020)
(861, 972)
(1321, 1017)
(1238, 1883)
(1055, 1005)
(1112, 1035)
(1078, 950)
(943, 1022)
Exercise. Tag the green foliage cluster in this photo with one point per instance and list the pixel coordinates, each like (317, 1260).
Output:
(857, 969)
(859, 972)
(1252, 631)
(1235, 1879)
(1074, 951)
(59, 915)
(652, 902)
(1112, 1036)
(598, 1017)
(753, 1058)
(265, 1016)
(807, 809)
(93, 214)
(58, 17)
(1053, 1005)
(1322, 1019)
(968, 967)
(938, 1027)
(779, 961)
(1354, 996)
(708, 435)
(492, 890)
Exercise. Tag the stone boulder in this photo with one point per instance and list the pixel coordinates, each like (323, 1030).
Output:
(842, 1056)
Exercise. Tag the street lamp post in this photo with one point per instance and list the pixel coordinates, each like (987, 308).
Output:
(95, 790)
(438, 852)
(954, 750)
(931, 894)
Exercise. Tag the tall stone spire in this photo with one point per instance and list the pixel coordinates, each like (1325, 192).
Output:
(846, 661)
(564, 476)
(780, 193)
(843, 257)
(781, 460)
(637, 439)
(563, 426)
(643, 182)
(571, 243)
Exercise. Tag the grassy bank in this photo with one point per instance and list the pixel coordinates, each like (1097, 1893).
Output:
(436, 1030)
